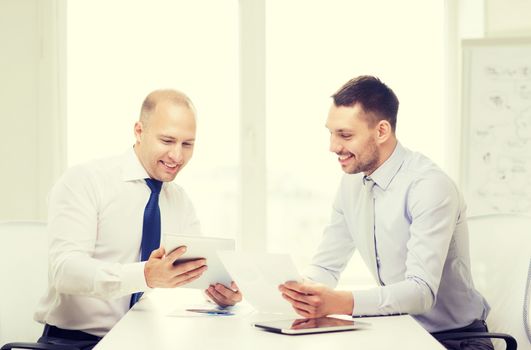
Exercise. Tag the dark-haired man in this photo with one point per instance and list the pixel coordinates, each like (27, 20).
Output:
(404, 215)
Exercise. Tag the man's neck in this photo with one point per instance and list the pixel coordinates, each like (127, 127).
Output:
(386, 150)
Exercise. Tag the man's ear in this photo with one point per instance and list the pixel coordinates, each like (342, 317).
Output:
(139, 130)
(383, 131)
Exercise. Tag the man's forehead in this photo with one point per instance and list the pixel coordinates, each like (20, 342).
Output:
(344, 118)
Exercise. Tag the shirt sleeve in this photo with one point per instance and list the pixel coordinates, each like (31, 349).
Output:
(72, 229)
(433, 208)
(335, 250)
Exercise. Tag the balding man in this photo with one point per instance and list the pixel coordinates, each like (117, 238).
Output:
(105, 220)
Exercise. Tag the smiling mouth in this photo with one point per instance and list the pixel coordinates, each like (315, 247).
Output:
(345, 158)
(170, 166)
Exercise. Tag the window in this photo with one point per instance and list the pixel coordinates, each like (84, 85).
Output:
(119, 51)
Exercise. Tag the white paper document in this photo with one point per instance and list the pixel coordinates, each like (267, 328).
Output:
(258, 276)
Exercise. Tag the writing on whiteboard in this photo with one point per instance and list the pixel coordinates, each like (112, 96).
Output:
(497, 141)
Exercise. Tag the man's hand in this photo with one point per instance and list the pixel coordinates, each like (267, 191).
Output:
(312, 300)
(224, 296)
(160, 271)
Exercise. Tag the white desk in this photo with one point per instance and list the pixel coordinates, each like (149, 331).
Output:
(147, 326)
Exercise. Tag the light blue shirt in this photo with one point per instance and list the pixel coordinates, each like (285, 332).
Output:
(421, 237)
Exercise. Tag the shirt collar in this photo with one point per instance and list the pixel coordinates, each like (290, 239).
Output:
(133, 169)
(387, 171)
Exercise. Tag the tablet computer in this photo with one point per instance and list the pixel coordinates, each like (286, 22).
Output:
(198, 247)
(311, 325)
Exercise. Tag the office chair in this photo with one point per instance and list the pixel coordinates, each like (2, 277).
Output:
(24, 274)
(500, 255)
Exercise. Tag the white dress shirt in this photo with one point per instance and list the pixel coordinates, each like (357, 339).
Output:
(421, 242)
(95, 216)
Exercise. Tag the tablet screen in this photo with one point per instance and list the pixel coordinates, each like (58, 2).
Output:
(310, 325)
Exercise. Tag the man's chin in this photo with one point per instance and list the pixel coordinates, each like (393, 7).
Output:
(169, 177)
(165, 177)
(350, 170)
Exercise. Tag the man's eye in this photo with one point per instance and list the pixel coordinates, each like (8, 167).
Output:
(188, 144)
(166, 141)
(345, 136)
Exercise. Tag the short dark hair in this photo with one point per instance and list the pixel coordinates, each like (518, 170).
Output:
(376, 98)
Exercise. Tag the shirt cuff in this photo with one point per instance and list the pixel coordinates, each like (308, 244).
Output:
(133, 278)
(366, 302)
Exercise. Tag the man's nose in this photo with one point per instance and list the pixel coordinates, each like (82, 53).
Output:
(334, 145)
(176, 154)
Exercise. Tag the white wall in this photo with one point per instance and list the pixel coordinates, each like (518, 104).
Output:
(18, 97)
(31, 143)
(508, 18)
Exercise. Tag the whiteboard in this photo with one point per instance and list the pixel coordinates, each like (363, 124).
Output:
(496, 134)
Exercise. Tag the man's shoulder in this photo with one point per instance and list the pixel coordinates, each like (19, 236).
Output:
(109, 163)
(418, 166)
(422, 176)
(95, 169)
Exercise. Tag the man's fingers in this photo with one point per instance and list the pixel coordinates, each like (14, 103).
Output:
(184, 267)
(299, 287)
(307, 299)
(178, 278)
(303, 313)
(212, 297)
(222, 295)
(303, 308)
(157, 253)
(226, 292)
(186, 281)
(297, 304)
(217, 296)
(176, 253)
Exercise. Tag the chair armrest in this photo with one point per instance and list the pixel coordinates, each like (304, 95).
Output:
(509, 340)
(37, 346)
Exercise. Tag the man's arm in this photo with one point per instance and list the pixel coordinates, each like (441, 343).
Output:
(433, 208)
(312, 300)
(72, 226)
(433, 205)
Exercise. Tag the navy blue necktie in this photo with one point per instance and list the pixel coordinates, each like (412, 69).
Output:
(150, 227)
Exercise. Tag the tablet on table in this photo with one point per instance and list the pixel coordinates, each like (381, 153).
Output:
(311, 325)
